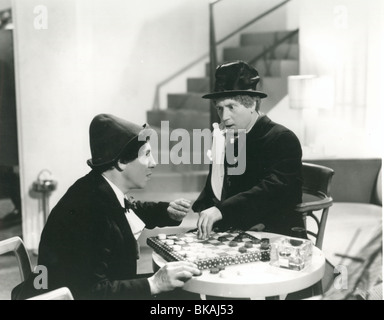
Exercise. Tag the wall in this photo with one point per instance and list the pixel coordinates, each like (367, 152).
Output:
(52, 112)
(96, 56)
(5, 4)
(343, 42)
(355, 180)
(232, 14)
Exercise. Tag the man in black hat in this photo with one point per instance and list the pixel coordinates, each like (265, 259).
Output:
(89, 243)
(264, 195)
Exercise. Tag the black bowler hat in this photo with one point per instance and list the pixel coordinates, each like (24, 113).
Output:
(235, 78)
(109, 136)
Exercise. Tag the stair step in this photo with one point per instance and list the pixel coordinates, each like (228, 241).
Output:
(270, 102)
(277, 68)
(181, 168)
(191, 160)
(266, 38)
(267, 83)
(180, 182)
(189, 101)
(276, 89)
(266, 68)
(247, 53)
(199, 143)
(198, 85)
(144, 195)
(186, 119)
(202, 120)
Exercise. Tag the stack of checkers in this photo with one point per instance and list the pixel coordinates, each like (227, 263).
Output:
(220, 250)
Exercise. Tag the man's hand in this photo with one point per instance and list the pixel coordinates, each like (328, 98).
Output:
(178, 209)
(206, 220)
(172, 275)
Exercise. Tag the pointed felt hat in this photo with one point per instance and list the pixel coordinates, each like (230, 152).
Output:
(109, 136)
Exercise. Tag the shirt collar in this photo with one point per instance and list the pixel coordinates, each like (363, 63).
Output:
(119, 194)
(136, 224)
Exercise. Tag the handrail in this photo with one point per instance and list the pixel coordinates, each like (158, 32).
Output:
(252, 21)
(214, 2)
(273, 46)
(156, 103)
(213, 114)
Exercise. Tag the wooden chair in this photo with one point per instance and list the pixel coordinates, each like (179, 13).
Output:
(16, 245)
(316, 197)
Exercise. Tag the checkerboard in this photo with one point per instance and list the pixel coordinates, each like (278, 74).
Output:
(219, 250)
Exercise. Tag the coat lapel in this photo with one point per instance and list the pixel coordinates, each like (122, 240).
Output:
(115, 211)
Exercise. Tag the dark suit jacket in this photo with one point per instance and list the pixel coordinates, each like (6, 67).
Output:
(269, 188)
(87, 244)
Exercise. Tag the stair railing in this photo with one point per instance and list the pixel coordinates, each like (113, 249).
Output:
(269, 51)
(212, 54)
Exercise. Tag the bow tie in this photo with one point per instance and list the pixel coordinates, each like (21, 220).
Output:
(130, 203)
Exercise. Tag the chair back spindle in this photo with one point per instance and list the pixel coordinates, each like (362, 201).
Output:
(316, 188)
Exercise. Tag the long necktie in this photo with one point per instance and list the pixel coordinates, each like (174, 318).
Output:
(218, 153)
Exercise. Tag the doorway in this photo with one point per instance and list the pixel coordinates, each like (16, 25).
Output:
(10, 200)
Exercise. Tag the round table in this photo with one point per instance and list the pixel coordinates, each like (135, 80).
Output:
(255, 280)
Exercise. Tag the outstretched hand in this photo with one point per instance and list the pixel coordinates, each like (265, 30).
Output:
(206, 220)
(178, 209)
(172, 275)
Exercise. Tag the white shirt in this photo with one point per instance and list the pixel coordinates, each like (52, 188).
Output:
(218, 155)
(137, 225)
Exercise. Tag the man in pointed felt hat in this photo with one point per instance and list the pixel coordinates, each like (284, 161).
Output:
(264, 195)
(89, 243)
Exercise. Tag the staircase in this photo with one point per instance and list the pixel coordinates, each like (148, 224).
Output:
(189, 111)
